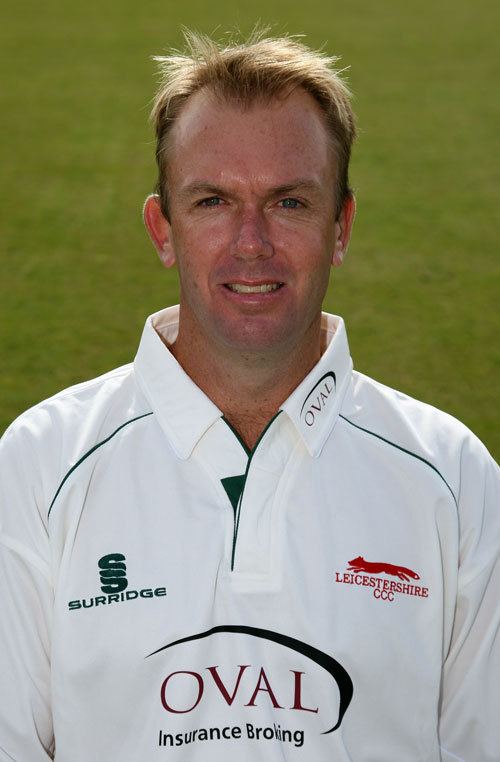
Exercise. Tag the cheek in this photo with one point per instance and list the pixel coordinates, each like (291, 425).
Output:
(208, 234)
(307, 251)
(307, 229)
(198, 249)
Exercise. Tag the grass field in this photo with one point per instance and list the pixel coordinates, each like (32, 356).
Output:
(419, 290)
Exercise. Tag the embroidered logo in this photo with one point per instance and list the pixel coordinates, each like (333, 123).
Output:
(367, 574)
(114, 583)
(113, 572)
(359, 564)
(317, 398)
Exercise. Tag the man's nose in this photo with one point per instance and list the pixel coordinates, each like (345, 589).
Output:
(251, 240)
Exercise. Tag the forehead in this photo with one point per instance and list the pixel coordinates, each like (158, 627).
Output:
(268, 140)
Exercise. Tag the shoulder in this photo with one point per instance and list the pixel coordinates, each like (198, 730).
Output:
(402, 415)
(46, 439)
(395, 421)
(72, 405)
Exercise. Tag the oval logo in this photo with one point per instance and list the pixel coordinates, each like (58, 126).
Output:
(317, 398)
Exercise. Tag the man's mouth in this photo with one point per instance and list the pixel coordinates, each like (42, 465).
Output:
(261, 288)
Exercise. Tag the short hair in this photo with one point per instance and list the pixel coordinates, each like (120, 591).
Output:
(259, 69)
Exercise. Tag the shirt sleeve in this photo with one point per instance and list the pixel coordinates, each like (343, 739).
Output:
(25, 604)
(470, 697)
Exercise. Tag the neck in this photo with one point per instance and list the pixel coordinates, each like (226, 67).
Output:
(248, 388)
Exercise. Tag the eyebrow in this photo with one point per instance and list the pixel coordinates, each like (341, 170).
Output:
(301, 184)
(199, 187)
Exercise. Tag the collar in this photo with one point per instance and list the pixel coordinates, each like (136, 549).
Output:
(185, 413)
(315, 404)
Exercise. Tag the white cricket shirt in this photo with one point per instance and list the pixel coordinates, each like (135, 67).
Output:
(167, 595)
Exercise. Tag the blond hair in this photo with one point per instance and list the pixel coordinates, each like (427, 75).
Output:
(262, 68)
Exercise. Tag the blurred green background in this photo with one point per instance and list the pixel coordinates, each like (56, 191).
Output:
(419, 290)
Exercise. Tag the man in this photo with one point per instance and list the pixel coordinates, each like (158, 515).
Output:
(237, 547)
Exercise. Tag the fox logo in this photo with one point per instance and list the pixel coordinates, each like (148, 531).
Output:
(360, 565)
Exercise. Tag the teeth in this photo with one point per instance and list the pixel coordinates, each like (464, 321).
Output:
(265, 288)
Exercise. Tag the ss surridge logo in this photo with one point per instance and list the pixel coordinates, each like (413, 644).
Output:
(114, 583)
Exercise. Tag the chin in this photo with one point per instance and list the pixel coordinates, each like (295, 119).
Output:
(256, 341)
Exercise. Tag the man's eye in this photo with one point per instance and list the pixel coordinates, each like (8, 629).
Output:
(290, 203)
(212, 201)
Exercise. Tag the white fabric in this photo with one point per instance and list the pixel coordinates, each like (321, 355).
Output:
(363, 551)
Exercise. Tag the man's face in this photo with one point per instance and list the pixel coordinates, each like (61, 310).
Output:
(252, 221)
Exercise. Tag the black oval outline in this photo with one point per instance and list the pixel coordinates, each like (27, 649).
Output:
(330, 373)
(333, 667)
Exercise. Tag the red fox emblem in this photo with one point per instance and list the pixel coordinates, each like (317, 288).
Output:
(359, 564)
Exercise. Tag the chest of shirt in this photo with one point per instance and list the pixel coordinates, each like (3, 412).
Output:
(141, 531)
(295, 594)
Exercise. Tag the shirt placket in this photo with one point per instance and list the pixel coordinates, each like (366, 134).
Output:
(257, 517)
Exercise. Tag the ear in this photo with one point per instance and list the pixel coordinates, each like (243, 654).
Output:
(343, 227)
(159, 229)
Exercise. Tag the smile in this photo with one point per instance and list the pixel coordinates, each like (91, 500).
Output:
(263, 288)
